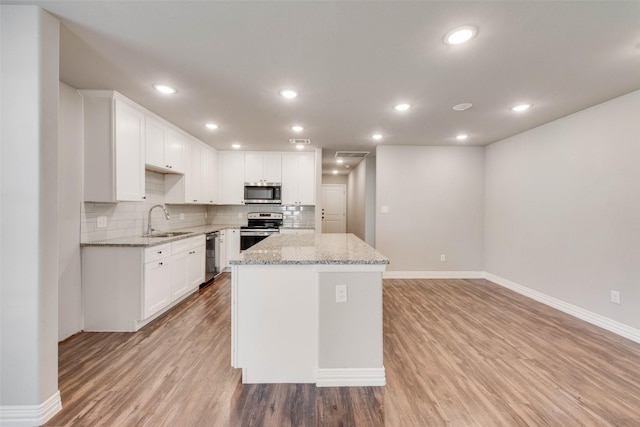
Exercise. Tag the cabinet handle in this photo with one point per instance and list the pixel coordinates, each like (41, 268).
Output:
(195, 200)
(159, 252)
(160, 263)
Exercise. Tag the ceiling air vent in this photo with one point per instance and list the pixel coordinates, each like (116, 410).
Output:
(300, 141)
(352, 154)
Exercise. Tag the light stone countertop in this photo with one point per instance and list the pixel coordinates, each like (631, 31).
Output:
(140, 241)
(309, 249)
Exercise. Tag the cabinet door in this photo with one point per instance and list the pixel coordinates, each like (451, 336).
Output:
(222, 250)
(289, 179)
(157, 286)
(130, 152)
(195, 267)
(306, 179)
(179, 268)
(253, 167)
(196, 175)
(209, 173)
(272, 168)
(155, 135)
(233, 243)
(232, 178)
(174, 151)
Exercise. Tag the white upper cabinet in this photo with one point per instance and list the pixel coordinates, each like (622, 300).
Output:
(198, 185)
(298, 179)
(263, 167)
(114, 147)
(164, 147)
(231, 166)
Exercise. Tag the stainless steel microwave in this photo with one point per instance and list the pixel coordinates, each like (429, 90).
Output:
(262, 193)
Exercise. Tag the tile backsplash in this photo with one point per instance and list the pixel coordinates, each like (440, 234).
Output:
(126, 219)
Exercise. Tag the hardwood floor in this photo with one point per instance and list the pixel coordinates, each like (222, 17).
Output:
(457, 353)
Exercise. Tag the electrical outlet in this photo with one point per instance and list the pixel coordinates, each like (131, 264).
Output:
(205, 214)
(615, 297)
(341, 293)
(443, 257)
(239, 215)
(181, 216)
(101, 222)
(384, 209)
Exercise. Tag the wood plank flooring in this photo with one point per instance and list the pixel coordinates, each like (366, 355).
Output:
(456, 353)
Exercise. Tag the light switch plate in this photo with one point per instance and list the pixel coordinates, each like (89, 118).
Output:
(384, 209)
(182, 216)
(341, 293)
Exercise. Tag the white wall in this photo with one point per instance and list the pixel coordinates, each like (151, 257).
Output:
(334, 179)
(563, 209)
(435, 197)
(29, 232)
(70, 178)
(361, 201)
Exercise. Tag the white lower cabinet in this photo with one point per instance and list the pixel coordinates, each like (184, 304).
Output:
(124, 288)
(233, 243)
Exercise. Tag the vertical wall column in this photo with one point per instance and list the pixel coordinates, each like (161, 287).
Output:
(29, 71)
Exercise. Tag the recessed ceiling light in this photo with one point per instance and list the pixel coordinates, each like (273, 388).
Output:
(165, 89)
(212, 126)
(289, 93)
(460, 35)
(339, 161)
(236, 146)
(462, 137)
(401, 107)
(521, 107)
(335, 172)
(462, 107)
(300, 146)
(297, 128)
(377, 136)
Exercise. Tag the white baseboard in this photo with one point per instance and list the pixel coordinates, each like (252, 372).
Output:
(30, 415)
(433, 275)
(593, 318)
(350, 377)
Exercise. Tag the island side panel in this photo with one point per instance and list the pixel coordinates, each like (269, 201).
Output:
(112, 282)
(276, 319)
(350, 333)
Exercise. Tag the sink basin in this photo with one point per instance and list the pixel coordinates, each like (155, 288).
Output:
(168, 234)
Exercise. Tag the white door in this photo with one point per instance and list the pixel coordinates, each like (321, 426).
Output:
(334, 208)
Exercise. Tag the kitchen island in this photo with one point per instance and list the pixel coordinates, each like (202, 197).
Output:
(308, 309)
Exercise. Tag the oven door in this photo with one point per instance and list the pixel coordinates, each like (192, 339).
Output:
(249, 238)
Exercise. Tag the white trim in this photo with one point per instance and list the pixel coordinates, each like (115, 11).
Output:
(350, 377)
(588, 316)
(433, 275)
(30, 415)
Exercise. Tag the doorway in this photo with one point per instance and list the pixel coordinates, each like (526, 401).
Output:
(334, 208)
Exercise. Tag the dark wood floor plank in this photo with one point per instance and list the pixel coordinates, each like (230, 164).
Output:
(456, 353)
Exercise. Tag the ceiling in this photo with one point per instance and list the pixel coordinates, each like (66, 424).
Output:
(351, 62)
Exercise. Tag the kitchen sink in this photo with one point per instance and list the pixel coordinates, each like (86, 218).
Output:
(168, 234)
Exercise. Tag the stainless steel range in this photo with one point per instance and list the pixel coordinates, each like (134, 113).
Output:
(260, 225)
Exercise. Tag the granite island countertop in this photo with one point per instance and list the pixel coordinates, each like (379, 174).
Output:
(310, 249)
(140, 241)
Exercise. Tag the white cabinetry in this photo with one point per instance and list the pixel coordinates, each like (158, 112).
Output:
(229, 246)
(199, 184)
(188, 265)
(262, 167)
(125, 288)
(114, 147)
(298, 179)
(164, 147)
(231, 178)
(157, 279)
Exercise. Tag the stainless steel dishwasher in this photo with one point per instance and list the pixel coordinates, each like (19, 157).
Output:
(212, 267)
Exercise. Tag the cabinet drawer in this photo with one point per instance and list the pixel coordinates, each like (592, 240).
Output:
(186, 244)
(157, 252)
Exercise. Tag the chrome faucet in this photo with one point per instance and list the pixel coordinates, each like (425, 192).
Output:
(166, 215)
